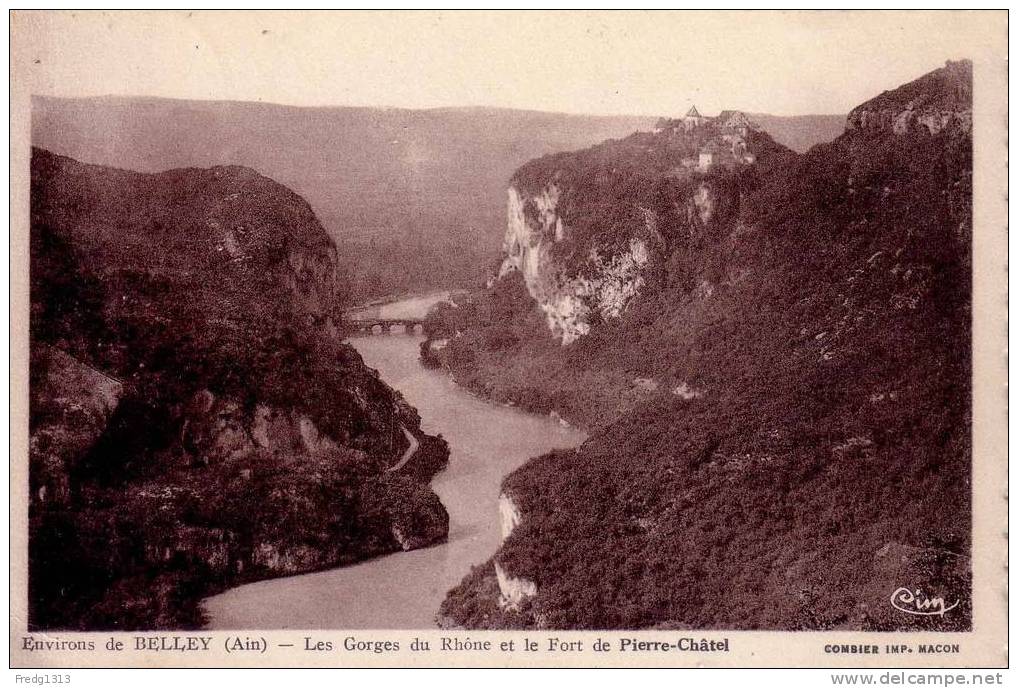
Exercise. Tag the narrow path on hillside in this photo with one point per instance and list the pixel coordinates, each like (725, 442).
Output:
(410, 451)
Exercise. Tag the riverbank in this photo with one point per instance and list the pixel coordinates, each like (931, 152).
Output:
(404, 590)
(406, 306)
(497, 340)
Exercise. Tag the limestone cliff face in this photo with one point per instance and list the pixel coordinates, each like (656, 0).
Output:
(513, 589)
(508, 515)
(578, 283)
(589, 230)
(602, 283)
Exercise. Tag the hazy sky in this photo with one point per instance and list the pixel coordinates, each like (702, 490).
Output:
(610, 63)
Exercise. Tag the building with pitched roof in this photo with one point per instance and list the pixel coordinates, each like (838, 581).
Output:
(693, 119)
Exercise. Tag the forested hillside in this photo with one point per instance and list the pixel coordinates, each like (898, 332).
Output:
(195, 421)
(781, 400)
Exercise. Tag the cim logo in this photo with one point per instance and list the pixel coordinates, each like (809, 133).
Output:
(918, 604)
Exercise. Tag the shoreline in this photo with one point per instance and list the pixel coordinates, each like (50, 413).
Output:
(468, 487)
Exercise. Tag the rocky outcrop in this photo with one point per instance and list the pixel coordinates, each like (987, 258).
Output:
(216, 429)
(513, 590)
(912, 118)
(589, 230)
(244, 441)
(939, 101)
(508, 515)
(576, 283)
(568, 295)
(72, 404)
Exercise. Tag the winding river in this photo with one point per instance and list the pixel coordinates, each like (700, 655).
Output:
(404, 590)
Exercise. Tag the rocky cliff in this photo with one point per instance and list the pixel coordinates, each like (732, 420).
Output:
(587, 230)
(419, 189)
(223, 223)
(567, 301)
(937, 101)
(513, 589)
(194, 420)
(769, 448)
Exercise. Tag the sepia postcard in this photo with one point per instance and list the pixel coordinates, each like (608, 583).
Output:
(508, 339)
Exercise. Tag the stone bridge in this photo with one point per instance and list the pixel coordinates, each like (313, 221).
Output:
(387, 326)
(374, 320)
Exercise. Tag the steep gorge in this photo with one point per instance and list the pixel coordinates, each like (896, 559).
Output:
(779, 393)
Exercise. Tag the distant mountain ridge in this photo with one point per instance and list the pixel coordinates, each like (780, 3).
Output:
(415, 198)
(800, 132)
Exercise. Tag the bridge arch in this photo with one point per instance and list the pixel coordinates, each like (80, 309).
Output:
(394, 326)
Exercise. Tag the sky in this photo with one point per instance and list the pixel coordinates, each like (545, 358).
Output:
(637, 63)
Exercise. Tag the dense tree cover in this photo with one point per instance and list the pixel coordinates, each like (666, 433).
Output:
(947, 89)
(817, 453)
(130, 275)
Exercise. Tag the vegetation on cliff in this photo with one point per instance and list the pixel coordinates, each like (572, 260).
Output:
(194, 422)
(414, 199)
(782, 417)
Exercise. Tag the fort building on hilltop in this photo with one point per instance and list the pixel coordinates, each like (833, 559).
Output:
(721, 139)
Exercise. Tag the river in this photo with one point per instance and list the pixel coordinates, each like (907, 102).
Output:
(404, 590)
